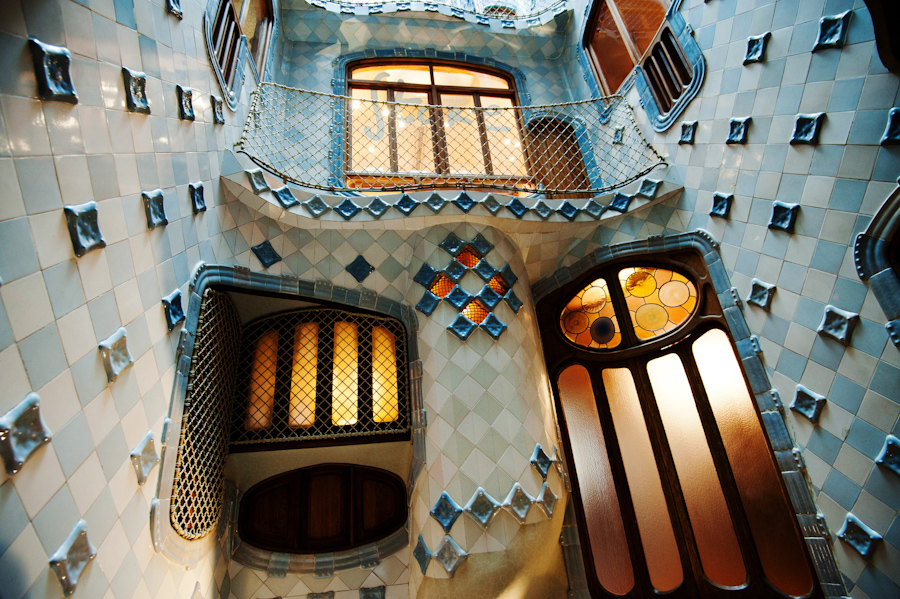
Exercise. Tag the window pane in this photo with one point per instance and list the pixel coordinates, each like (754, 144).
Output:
(415, 148)
(650, 507)
(396, 73)
(606, 532)
(589, 318)
(609, 49)
(643, 19)
(464, 143)
(658, 299)
(769, 514)
(504, 141)
(385, 399)
(262, 382)
(255, 24)
(345, 376)
(710, 518)
(303, 375)
(370, 148)
(455, 77)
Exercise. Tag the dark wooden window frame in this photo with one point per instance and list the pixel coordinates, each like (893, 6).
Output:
(227, 31)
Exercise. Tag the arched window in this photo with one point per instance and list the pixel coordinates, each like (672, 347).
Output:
(674, 481)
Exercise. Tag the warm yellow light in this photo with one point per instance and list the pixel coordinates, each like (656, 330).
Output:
(262, 383)
(345, 381)
(303, 375)
(385, 400)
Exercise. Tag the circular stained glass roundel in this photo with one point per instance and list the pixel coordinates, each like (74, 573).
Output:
(589, 318)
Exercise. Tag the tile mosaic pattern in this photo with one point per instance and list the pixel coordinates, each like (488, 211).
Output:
(22, 432)
(52, 69)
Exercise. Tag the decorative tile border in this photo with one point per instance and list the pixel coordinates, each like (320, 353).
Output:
(22, 432)
(73, 556)
(52, 66)
(84, 228)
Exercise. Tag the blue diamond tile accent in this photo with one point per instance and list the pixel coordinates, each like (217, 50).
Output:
(285, 197)
(257, 181)
(462, 327)
(481, 245)
(518, 502)
(464, 202)
(377, 207)
(541, 461)
(891, 134)
(185, 103)
(360, 269)
(406, 204)
(115, 355)
(52, 66)
(484, 269)
(450, 555)
(688, 131)
(446, 511)
(618, 135)
(620, 202)
(493, 326)
(422, 554)
(482, 508)
(135, 91)
(154, 209)
(568, 210)
(84, 228)
(838, 324)
(347, 209)
(832, 31)
(489, 297)
(516, 206)
(649, 187)
(458, 297)
(808, 403)
(721, 205)
(756, 48)
(761, 294)
(513, 301)
(174, 8)
(859, 536)
(452, 244)
(783, 216)
(266, 254)
(198, 202)
(455, 270)
(594, 209)
(491, 203)
(738, 129)
(69, 561)
(806, 129)
(22, 432)
(546, 499)
(890, 454)
(542, 210)
(316, 206)
(373, 592)
(436, 202)
(173, 310)
(425, 276)
(218, 113)
(508, 275)
(428, 303)
(144, 458)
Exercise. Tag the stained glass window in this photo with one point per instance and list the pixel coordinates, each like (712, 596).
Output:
(589, 318)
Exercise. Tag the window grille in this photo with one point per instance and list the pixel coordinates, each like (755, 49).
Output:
(668, 72)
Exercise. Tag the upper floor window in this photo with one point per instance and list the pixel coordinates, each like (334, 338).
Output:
(231, 21)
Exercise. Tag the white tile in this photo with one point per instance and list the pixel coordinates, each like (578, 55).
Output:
(27, 305)
(27, 559)
(101, 415)
(123, 485)
(77, 334)
(146, 372)
(12, 205)
(15, 379)
(87, 483)
(126, 171)
(112, 220)
(140, 132)
(129, 48)
(39, 479)
(128, 300)
(134, 427)
(79, 30)
(64, 128)
(25, 126)
(112, 551)
(95, 130)
(94, 270)
(74, 179)
(141, 252)
(59, 401)
(51, 238)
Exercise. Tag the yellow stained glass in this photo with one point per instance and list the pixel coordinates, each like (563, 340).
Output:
(659, 300)
(468, 258)
(385, 396)
(475, 312)
(261, 401)
(345, 375)
(303, 375)
(589, 318)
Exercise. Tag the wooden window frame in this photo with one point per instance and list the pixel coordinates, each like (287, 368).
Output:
(227, 31)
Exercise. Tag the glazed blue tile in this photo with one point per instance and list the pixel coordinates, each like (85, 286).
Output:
(52, 66)
(546, 499)
(756, 48)
(738, 130)
(649, 187)
(824, 444)
(422, 554)
(458, 297)
(285, 197)
(865, 438)
(446, 511)
(840, 488)
(618, 135)
(218, 111)
(377, 207)
(688, 132)
(22, 432)
(846, 394)
(808, 403)
(542, 210)
(428, 303)
(452, 244)
(347, 209)
(513, 301)
(115, 355)
(406, 204)
(594, 209)
(266, 254)
(154, 209)
(838, 324)
(481, 245)
(859, 536)
(890, 454)
(891, 134)
(518, 502)
(455, 270)
(721, 205)
(185, 103)
(436, 202)
(173, 7)
(198, 202)
(425, 276)
(257, 181)
(784, 216)
(508, 275)
(462, 327)
(491, 204)
(620, 202)
(464, 202)
(84, 228)
(316, 206)
(373, 592)
(761, 294)
(450, 555)
(484, 270)
(828, 257)
(791, 365)
(360, 269)
(173, 310)
(72, 557)
(568, 210)
(482, 508)
(489, 297)
(493, 326)
(833, 31)
(875, 583)
(806, 129)
(886, 381)
(136, 91)
(884, 485)
(516, 206)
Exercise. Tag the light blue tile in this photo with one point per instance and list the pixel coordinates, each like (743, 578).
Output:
(775, 329)
(809, 221)
(56, 519)
(6, 334)
(102, 515)
(73, 444)
(865, 438)
(875, 583)
(89, 377)
(840, 488)
(104, 315)
(847, 195)
(12, 514)
(791, 365)
(823, 66)
(38, 183)
(845, 94)
(827, 352)
(43, 356)
(112, 452)
(868, 127)
(886, 381)
(64, 287)
(121, 263)
(824, 444)
(747, 262)
(828, 257)
(17, 249)
(887, 164)
(826, 160)
(846, 394)
(885, 486)
(789, 100)
(792, 277)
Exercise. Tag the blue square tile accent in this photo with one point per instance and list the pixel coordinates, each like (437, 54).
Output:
(618, 135)
(594, 209)
(257, 181)
(481, 245)
(874, 583)
(890, 454)
(491, 204)
(428, 303)
(406, 204)
(425, 276)
(489, 297)
(135, 91)
(52, 69)
(542, 210)
(808, 403)
(464, 202)
(198, 202)
(455, 270)
(84, 229)
(484, 270)
(891, 134)
(783, 216)
(756, 48)
(446, 511)
(360, 269)
(493, 326)
(185, 103)
(482, 507)
(452, 244)
(285, 197)
(513, 301)
(833, 31)
(458, 297)
(266, 254)
(154, 209)
(838, 324)
(568, 210)
(688, 131)
(22, 432)
(721, 205)
(859, 536)
(516, 206)
(422, 554)
(649, 187)
(436, 202)
(316, 206)
(215, 103)
(462, 327)
(791, 365)
(173, 7)
(886, 381)
(738, 130)
(806, 129)
(761, 294)
(377, 207)
(620, 202)
(508, 275)
(841, 489)
(173, 310)
(347, 209)
(540, 461)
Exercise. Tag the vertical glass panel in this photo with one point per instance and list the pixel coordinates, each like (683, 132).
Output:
(370, 148)
(262, 382)
(464, 143)
(717, 544)
(768, 512)
(643, 19)
(504, 141)
(650, 507)
(303, 375)
(658, 299)
(455, 77)
(385, 397)
(589, 318)
(255, 24)
(415, 147)
(396, 73)
(609, 49)
(345, 381)
(606, 532)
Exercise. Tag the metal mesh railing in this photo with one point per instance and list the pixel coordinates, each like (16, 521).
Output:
(203, 444)
(320, 374)
(336, 143)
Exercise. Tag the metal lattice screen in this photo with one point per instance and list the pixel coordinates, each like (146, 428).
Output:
(320, 374)
(335, 142)
(203, 444)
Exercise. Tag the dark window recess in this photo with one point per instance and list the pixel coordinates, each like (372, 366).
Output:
(668, 72)
(226, 37)
(322, 508)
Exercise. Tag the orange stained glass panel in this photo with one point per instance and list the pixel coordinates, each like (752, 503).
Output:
(345, 381)
(498, 285)
(589, 319)
(262, 382)
(609, 49)
(659, 300)
(385, 395)
(468, 258)
(643, 19)
(441, 286)
(475, 312)
(303, 375)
